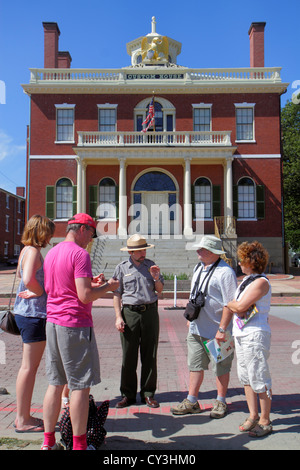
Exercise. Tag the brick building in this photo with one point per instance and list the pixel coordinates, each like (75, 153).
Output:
(12, 210)
(211, 162)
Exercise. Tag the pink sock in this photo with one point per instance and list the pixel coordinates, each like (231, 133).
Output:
(79, 442)
(49, 439)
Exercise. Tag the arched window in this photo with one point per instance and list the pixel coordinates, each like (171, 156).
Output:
(64, 199)
(107, 199)
(246, 199)
(202, 199)
(164, 115)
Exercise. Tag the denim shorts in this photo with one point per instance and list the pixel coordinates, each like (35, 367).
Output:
(32, 329)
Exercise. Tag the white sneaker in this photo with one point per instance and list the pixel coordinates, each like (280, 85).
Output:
(56, 446)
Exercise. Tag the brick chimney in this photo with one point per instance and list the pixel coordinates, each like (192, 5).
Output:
(51, 35)
(20, 191)
(64, 60)
(257, 44)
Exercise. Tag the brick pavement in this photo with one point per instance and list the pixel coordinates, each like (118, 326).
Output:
(142, 428)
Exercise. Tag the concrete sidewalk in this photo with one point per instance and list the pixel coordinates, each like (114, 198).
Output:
(157, 430)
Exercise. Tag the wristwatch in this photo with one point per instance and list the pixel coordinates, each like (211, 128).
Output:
(221, 330)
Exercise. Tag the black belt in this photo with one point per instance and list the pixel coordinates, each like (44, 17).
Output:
(140, 308)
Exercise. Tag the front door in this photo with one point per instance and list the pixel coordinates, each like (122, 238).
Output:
(155, 213)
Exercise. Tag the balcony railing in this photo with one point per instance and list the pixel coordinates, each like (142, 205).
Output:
(179, 74)
(107, 139)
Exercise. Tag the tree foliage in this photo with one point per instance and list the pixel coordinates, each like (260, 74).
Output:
(290, 121)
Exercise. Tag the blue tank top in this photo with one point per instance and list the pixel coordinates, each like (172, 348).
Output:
(35, 307)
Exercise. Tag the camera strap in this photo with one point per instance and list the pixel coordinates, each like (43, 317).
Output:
(195, 292)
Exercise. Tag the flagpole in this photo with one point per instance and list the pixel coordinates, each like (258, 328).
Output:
(153, 110)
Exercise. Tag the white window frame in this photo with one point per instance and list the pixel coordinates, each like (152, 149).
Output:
(254, 218)
(7, 223)
(210, 202)
(65, 107)
(111, 206)
(108, 107)
(241, 106)
(64, 205)
(202, 106)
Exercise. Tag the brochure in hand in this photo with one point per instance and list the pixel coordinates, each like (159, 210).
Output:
(217, 351)
(241, 322)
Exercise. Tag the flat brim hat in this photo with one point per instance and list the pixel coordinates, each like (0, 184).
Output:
(210, 243)
(83, 219)
(135, 243)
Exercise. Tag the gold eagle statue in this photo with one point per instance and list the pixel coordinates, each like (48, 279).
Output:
(155, 49)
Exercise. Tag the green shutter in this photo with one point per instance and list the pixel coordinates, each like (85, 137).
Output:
(74, 200)
(216, 201)
(193, 201)
(50, 203)
(93, 201)
(260, 201)
(235, 201)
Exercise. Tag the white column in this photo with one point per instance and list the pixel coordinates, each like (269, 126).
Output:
(83, 185)
(122, 231)
(188, 229)
(229, 190)
(79, 185)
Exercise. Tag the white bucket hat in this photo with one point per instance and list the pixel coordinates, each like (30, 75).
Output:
(135, 243)
(210, 243)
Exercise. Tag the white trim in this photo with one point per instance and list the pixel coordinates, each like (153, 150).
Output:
(202, 105)
(275, 155)
(107, 106)
(65, 106)
(244, 105)
(52, 157)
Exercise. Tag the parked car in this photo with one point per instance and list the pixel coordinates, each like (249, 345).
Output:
(12, 262)
(296, 260)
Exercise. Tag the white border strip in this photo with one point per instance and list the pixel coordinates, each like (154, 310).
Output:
(275, 155)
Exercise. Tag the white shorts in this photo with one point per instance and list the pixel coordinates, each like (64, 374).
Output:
(252, 352)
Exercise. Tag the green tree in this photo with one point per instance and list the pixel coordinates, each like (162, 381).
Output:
(290, 121)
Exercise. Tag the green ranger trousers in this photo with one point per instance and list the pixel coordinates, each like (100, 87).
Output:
(141, 333)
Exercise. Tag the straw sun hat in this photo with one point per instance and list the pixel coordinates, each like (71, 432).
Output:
(136, 242)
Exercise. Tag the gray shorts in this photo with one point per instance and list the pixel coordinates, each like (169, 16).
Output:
(199, 359)
(72, 357)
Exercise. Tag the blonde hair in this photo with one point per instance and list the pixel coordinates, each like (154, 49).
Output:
(38, 231)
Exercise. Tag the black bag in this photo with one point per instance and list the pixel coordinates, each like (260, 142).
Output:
(195, 304)
(7, 318)
(95, 432)
(8, 323)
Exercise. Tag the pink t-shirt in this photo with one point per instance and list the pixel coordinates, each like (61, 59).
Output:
(63, 264)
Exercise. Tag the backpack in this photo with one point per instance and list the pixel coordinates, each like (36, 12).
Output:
(95, 432)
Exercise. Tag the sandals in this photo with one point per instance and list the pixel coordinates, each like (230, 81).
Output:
(248, 424)
(261, 430)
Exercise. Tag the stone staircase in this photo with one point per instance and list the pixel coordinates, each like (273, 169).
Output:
(173, 256)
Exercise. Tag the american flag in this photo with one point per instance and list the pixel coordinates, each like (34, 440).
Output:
(150, 116)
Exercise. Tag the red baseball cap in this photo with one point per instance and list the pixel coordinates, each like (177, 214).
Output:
(84, 219)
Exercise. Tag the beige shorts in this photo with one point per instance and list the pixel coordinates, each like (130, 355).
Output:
(199, 359)
(252, 353)
(72, 357)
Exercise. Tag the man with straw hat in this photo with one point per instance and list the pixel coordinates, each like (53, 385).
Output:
(213, 321)
(135, 303)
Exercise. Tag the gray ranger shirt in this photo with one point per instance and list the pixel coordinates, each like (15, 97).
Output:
(137, 286)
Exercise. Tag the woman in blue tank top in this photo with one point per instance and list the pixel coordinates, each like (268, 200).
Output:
(30, 315)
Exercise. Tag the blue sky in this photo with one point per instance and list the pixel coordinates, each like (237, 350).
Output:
(213, 34)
